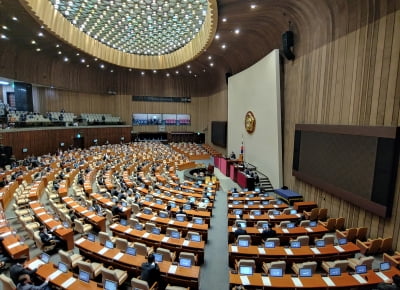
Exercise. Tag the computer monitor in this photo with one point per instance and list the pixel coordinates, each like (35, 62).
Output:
(257, 189)
(257, 212)
(110, 285)
(162, 214)
(198, 221)
(293, 211)
(175, 235)
(109, 244)
(131, 251)
(320, 243)
(159, 201)
(138, 227)
(91, 208)
(245, 189)
(384, 266)
(84, 276)
(269, 244)
(123, 222)
(291, 225)
(195, 238)
(313, 224)
(155, 231)
(158, 257)
(236, 202)
(243, 243)
(62, 267)
(180, 218)
(361, 269)
(250, 202)
(172, 204)
(276, 212)
(335, 271)
(295, 244)
(185, 262)
(250, 195)
(276, 272)
(238, 211)
(245, 270)
(242, 224)
(265, 226)
(305, 272)
(91, 237)
(124, 204)
(187, 206)
(148, 198)
(147, 211)
(235, 194)
(265, 202)
(199, 182)
(192, 199)
(342, 241)
(65, 225)
(45, 257)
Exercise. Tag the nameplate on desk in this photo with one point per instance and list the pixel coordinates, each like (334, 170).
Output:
(360, 279)
(6, 234)
(328, 281)
(165, 239)
(47, 221)
(35, 264)
(286, 231)
(310, 230)
(172, 269)
(189, 225)
(297, 282)
(145, 235)
(68, 283)
(289, 251)
(69, 201)
(339, 248)
(75, 206)
(128, 231)
(118, 256)
(271, 216)
(54, 275)
(260, 230)
(266, 281)
(173, 198)
(92, 216)
(385, 278)
(298, 214)
(230, 205)
(171, 222)
(79, 241)
(153, 218)
(315, 251)
(185, 243)
(234, 249)
(251, 216)
(139, 214)
(110, 203)
(245, 280)
(41, 213)
(238, 216)
(261, 206)
(103, 251)
(247, 198)
(114, 226)
(16, 244)
(234, 229)
(84, 211)
(261, 251)
(276, 206)
(246, 206)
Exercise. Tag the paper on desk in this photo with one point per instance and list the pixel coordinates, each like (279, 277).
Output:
(298, 214)
(84, 211)
(251, 216)
(266, 281)
(79, 241)
(139, 214)
(48, 220)
(16, 244)
(230, 205)
(189, 225)
(276, 206)
(289, 251)
(68, 283)
(339, 248)
(310, 230)
(234, 249)
(114, 226)
(171, 222)
(35, 264)
(328, 281)
(55, 274)
(185, 243)
(127, 231)
(75, 206)
(360, 279)
(286, 231)
(382, 276)
(261, 251)
(246, 206)
(153, 218)
(172, 269)
(245, 280)
(315, 250)
(103, 251)
(165, 239)
(92, 216)
(297, 282)
(271, 216)
(41, 213)
(118, 256)
(6, 234)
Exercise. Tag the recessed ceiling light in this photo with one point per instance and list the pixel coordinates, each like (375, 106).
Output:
(42, 27)
(237, 31)
(14, 18)
(130, 69)
(112, 70)
(217, 36)
(224, 19)
(223, 46)
(33, 41)
(40, 34)
(188, 66)
(209, 57)
(252, 6)
(167, 74)
(87, 65)
(38, 49)
(57, 45)
(154, 71)
(83, 60)
(66, 59)
(212, 64)
(142, 73)
(95, 59)
(101, 65)
(4, 27)
(190, 72)
(77, 54)
(177, 72)
(59, 52)
(3, 36)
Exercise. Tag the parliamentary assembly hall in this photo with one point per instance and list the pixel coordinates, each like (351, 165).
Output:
(199, 144)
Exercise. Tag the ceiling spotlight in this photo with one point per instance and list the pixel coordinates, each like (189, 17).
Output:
(237, 31)
(223, 46)
(101, 65)
(66, 59)
(154, 71)
(87, 65)
(217, 36)
(252, 6)
(95, 59)
(212, 64)
(77, 54)
(167, 74)
(142, 73)
(112, 71)
(40, 34)
(38, 49)
(83, 60)
(33, 41)
(59, 52)
(4, 27)
(209, 57)
(224, 19)
(14, 18)
(57, 45)
(3, 36)
(177, 72)
(130, 69)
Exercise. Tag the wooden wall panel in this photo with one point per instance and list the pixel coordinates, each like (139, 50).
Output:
(352, 80)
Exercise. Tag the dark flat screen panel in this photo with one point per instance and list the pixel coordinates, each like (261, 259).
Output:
(219, 133)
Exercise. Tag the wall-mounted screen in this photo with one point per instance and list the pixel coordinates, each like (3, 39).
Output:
(139, 119)
(218, 133)
(161, 119)
(169, 119)
(183, 119)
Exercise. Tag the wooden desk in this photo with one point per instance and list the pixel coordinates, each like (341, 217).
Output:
(48, 220)
(304, 205)
(273, 219)
(107, 203)
(98, 222)
(345, 281)
(12, 244)
(46, 270)
(112, 257)
(175, 245)
(7, 193)
(263, 207)
(306, 253)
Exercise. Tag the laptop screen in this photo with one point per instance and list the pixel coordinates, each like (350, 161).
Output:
(236, 202)
(320, 243)
(175, 235)
(242, 224)
(162, 214)
(109, 244)
(257, 189)
(293, 211)
(243, 243)
(265, 202)
(131, 251)
(361, 269)
(257, 212)
(187, 207)
(158, 257)
(313, 224)
(235, 194)
(148, 198)
(334, 271)
(123, 222)
(384, 266)
(295, 244)
(110, 285)
(198, 221)
(65, 225)
(138, 227)
(124, 204)
(45, 258)
(84, 276)
(147, 211)
(195, 238)
(276, 212)
(238, 211)
(290, 225)
(180, 218)
(342, 241)
(62, 267)
(276, 272)
(269, 244)
(91, 237)
(250, 202)
(172, 204)
(156, 231)
(246, 270)
(305, 272)
(158, 201)
(184, 262)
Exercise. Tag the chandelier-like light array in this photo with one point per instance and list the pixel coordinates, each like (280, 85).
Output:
(142, 27)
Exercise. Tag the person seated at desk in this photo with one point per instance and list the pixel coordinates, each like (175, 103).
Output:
(268, 232)
(233, 155)
(394, 284)
(49, 239)
(150, 271)
(96, 206)
(239, 231)
(18, 269)
(117, 209)
(25, 283)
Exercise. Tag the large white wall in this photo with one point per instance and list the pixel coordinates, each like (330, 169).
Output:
(257, 89)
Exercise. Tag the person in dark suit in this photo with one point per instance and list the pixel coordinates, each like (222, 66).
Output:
(268, 232)
(150, 271)
(394, 285)
(240, 231)
(49, 239)
(25, 283)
